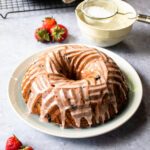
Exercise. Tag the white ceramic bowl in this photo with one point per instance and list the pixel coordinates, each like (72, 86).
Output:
(107, 34)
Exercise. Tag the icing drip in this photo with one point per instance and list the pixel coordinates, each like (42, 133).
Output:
(83, 111)
(114, 101)
(73, 78)
(97, 112)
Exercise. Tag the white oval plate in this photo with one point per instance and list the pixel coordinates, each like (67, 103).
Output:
(135, 97)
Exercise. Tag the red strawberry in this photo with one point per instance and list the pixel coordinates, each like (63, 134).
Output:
(26, 148)
(13, 143)
(59, 33)
(42, 35)
(48, 23)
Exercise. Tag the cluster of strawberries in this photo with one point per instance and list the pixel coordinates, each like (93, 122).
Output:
(51, 31)
(13, 143)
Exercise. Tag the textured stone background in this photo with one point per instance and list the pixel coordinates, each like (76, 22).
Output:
(17, 42)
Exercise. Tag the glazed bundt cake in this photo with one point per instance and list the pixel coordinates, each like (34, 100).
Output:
(74, 86)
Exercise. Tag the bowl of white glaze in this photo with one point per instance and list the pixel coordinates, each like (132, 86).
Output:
(111, 33)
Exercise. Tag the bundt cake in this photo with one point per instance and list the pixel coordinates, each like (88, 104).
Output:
(74, 86)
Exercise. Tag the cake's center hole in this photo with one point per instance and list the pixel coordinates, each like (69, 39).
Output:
(71, 73)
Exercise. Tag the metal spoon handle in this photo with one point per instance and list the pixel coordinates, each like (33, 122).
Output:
(143, 18)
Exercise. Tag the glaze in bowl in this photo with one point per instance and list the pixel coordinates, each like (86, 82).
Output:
(111, 33)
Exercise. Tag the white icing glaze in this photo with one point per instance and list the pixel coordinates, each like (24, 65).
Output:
(47, 80)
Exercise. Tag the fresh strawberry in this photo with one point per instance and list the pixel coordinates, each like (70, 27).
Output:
(26, 148)
(48, 23)
(42, 35)
(59, 33)
(13, 143)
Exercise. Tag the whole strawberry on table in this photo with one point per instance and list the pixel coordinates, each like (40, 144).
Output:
(51, 31)
(13, 143)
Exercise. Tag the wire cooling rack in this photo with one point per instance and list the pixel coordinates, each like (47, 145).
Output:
(15, 6)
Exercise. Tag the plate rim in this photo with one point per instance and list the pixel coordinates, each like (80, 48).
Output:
(106, 51)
